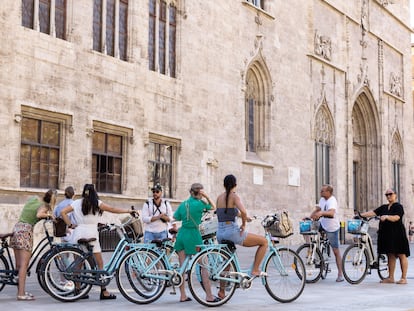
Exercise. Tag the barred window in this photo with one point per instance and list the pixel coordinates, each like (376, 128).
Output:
(107, 162)
(162, 156)
(50, 20)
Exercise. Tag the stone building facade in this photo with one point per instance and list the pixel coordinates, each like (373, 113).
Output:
(286, 95)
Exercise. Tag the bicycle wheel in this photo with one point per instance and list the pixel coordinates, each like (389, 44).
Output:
(138, 276)
(58, 282)
(355, 263)
(314, 266)
(212, 270)
(4, 266)
(40, 275)
(383, 272)
(285, 275)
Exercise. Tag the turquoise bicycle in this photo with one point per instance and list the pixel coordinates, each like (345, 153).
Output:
(283, 270)
(70, 270)
(145, 272)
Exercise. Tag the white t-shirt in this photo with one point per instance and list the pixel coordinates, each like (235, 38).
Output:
(329, 224)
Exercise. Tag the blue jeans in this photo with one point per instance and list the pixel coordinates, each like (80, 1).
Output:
(149, 236)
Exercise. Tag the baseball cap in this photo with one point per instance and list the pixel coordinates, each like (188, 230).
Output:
(156, 187)
(196, 186)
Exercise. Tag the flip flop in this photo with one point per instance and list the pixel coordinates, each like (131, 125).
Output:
(186, 299)
(26, 297)
(216, 299)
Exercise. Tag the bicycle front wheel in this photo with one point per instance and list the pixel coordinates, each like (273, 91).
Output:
(355, 263)
(138, 276)
(383, 272)
(56, 277)
(212, 271)
(314, 265)
(285, 275)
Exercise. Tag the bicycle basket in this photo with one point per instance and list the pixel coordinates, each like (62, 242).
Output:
(133, 227)
(308, 227)
(357, 226)
(278, 225)
(208, 227)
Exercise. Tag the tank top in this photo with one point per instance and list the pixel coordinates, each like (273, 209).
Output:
(229, 216)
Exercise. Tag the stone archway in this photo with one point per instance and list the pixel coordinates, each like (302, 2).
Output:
(366, 181)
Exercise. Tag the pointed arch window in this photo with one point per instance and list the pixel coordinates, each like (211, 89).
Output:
(397, 160)
(323, 142)
(257, 110)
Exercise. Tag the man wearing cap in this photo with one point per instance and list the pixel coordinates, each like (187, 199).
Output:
(156, 215)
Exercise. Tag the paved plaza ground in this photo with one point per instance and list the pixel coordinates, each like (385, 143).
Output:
(323, 295)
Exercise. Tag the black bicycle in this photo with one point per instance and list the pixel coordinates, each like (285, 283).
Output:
(8, 271)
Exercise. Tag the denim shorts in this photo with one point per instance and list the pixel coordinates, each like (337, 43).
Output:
(333, 238)
(150, 236)
(229, 230)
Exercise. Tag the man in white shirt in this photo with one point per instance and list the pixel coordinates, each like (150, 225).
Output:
(156, 215)
(327, 212)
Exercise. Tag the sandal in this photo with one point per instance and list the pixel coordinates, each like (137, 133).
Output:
(106, 297)
(402, 281)
(26, 297)
(216, 299)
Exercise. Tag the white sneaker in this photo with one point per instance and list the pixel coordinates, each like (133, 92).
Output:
(67, 285)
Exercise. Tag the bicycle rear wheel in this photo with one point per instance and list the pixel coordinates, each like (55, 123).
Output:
(355, 264)
(212, 270)
(56, 278)
(383, 272)
(4, 266)
(314, 266)
(138, 274)
(286, 275)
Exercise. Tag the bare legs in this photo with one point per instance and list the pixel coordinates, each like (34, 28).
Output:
(99, 261)
(338, 260)
(256, 240)
(22, 262)
(392, 260)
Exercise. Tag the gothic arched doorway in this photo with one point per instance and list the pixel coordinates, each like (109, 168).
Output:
(366, 179)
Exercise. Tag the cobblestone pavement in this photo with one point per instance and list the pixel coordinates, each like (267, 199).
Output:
(323, 295)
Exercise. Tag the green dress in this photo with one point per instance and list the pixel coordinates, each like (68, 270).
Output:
(190, 213)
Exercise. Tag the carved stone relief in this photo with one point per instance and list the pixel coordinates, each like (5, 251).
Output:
(395, 84)
(323, 46)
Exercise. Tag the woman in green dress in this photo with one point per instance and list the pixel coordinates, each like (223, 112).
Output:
(189, 213)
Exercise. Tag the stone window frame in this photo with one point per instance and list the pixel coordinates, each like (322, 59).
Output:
(397, 161)
(116, 32)
(257, 3)
(126, 135)
(324, 135)
(65, 127)
(34, 16)
(162, 36)
(257, 109)
(167, 182)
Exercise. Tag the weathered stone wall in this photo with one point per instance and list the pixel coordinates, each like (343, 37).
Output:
(204, 106)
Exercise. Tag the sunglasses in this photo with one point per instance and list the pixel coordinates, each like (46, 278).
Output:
(156, 191)
(388, 194)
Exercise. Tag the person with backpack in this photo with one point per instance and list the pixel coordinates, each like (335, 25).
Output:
(156, 214)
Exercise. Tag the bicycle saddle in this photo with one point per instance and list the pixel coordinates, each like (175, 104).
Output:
(230, 244)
